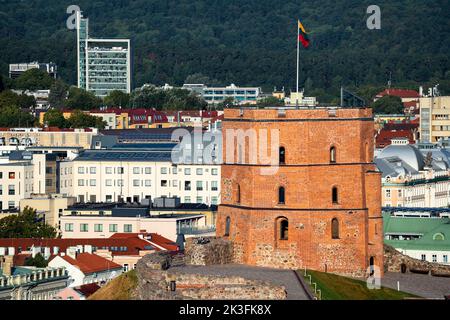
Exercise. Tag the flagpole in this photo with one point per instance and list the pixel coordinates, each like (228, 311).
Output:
(298, 61)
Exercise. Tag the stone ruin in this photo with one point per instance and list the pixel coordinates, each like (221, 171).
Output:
(159, 279)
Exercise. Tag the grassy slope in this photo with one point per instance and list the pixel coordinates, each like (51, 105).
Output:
(341, 288)
(120, 288)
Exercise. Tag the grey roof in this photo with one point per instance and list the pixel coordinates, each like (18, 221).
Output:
(407, 153)
(394, 167)
(115, 155)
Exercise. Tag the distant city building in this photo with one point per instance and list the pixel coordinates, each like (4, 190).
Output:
(412, 179)
(422, 238)
(434, 118)
(215, 95)
(17, 69)
(404, 95)
(104, 65)
(300, 100)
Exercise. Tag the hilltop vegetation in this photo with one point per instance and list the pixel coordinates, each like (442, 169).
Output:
(251, 42)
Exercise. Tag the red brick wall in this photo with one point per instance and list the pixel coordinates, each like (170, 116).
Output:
(308, 178)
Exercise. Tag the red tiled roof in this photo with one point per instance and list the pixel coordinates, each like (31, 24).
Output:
(91, 263)
(153, 238)
(384, 138)
(402, 93)
(410, 104)
(133, 244)
(87, 289)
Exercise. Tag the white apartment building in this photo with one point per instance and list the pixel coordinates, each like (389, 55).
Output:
(434, 118)
(16, 183)
(215, 95)
(114, 175)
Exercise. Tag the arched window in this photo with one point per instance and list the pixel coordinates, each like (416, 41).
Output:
(283, 229)
(333, 155)
(335, 228)
(227, 227)
(372, 265)
(335, 195)
(282, 155)
(238, 194)
(281, 195)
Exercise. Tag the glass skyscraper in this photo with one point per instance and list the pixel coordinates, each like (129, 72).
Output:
(104, 65)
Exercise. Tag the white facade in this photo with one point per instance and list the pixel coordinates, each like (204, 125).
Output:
(89, 227)
(436, 256)
(16, 183)
(109, 181)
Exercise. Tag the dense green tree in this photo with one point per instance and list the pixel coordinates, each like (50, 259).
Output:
(34, 79)
(55, 118)
(79, 120)
(25, 225)
(117, 98)
(38, 261)
(270, 102)
(58, 94)
(388, 105)
(13, 116)
(9, 98)
(82, 100)
(2, 85)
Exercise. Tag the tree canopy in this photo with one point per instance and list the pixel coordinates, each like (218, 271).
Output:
(33, 79)
(388, 105)
(25, 225)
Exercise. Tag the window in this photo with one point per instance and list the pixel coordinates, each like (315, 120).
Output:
(84, 227)
(214, 186)
(81, 170)
(108, 170)
(227, 227)
(282, 154)
(215, 172)
(120, 183)
(11, 205)
(445, 258)
(424, 257)
(238, 194)
(199, 172)
(399, 193)
(98, 228)
(113, 228)
(80, 182)
(69, 227)
(136, 183)
(335, 197)
(434, 257)
(199, 199)
(108, 198)
(214, 200)
(108, 182)
(332, 155)
(283, 225)
(120, 170)
(148, 183)
(136, 170)
(163, 183)
(335, 228)
(187, 186)
(93, 182)
(148, 170)
(187, 199)
(187, 171)
(199, 185)
(48, 182)
(388, 193)
(11, 190)
(163, 170)
(48, 170)
(12, 175)
(281, 195)
(93, 170)
(127, 228)
(1, 190)
(125, 267)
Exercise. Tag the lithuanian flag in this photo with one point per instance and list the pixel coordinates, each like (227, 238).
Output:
(303, 35)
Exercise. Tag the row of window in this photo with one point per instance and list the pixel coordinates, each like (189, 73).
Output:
(147, 170)
(282, 227)
(84, 227)
(109, 199)
(11, 190)
(148, 183)
(434, 258)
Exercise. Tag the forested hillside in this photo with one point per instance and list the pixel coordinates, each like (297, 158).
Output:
(251, 42)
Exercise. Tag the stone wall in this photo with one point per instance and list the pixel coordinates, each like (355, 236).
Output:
(208, 251)
(155, 277)
(394, 261)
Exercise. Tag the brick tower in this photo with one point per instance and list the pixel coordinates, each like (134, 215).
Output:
(321, 208)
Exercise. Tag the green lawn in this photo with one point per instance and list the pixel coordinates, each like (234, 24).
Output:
(335, 287)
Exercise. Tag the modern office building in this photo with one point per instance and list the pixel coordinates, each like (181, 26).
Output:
(434, 118)
(215, 95)
(17, 69)
(104, 65)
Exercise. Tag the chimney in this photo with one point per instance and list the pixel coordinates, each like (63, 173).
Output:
(72, 252)
(7, 265)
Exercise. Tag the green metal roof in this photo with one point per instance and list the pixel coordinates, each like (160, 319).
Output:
(432, 229)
